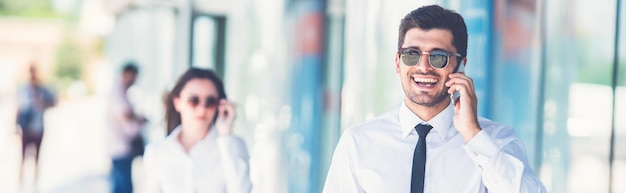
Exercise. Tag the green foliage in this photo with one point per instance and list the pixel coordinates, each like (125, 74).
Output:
(69, 61)
(596, 73)
(28, 8)
(592, 67)
(621, 75)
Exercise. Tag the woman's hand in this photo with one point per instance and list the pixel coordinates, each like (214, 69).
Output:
(225, 118)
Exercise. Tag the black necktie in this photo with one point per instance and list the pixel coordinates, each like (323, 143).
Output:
(419, 159)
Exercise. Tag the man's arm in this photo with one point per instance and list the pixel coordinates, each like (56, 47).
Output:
(504, 165)
(127, 125)
(341, 175)
(504, 169)
(50, 100)
(18, 129)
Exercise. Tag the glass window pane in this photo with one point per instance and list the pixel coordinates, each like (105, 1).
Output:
(577, 107)
(619, 163)
(516, 71)
(204, 42)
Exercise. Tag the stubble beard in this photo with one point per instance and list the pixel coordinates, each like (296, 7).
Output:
(418, 98)
(440, 97)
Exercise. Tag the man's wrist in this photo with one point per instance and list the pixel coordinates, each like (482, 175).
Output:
(470, 132)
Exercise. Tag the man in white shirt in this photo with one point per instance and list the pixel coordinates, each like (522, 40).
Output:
(431, 143)
(125, 142)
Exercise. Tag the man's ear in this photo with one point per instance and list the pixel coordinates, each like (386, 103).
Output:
(462, 62)
(397, 59)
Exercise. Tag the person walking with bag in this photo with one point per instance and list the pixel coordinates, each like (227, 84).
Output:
(34, 99)
(125, 142)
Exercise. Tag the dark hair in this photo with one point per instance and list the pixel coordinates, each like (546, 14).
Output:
(172, 117)
(130, 67)
(435, 16)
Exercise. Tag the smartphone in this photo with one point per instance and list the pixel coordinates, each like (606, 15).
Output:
(217, 112)
(456, 95)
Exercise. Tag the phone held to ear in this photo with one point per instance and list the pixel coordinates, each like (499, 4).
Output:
(456, 95)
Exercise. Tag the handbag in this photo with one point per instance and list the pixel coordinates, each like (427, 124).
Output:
(137, 146)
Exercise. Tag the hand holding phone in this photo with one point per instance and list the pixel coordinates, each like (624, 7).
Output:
(465, 113)
(225, 118)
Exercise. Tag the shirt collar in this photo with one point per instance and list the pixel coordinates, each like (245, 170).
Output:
(173, 137)
(441, 123)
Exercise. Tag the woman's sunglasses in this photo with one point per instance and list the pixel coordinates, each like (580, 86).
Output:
(209, 102)
(437, 58)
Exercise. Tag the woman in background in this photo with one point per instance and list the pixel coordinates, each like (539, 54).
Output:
(200, 154)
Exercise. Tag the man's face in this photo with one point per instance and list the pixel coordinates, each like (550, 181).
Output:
(128, 78)
(34, 80)
(423, 84)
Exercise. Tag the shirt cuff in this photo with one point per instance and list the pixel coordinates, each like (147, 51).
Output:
(481, 148)
(224, 141)
(233, 146)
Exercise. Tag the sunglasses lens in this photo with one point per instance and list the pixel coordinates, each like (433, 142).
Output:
(194, 101)
(211, 102)
(410, 57)
(438, 60)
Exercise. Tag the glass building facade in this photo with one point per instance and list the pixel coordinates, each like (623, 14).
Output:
(302, 71)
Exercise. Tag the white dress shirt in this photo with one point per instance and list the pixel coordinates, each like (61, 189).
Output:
(377, 156)
(215, 164)
(121, 129)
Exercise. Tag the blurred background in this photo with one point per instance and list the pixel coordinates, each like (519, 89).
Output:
(302, 71)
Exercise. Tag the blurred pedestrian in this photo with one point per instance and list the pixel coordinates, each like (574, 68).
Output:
(125, 127)
(200, 154)
(33, 99)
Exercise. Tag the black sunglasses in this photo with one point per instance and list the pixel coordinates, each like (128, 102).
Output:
(209, 102)
(436, 59)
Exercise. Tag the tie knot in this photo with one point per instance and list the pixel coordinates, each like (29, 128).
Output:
(423, 130)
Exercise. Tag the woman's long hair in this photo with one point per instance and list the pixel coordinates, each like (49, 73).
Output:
(172, 117)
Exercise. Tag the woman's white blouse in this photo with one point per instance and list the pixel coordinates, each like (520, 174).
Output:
(214, 164)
